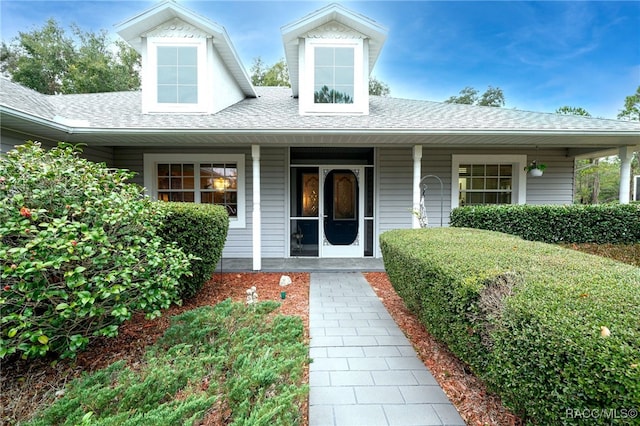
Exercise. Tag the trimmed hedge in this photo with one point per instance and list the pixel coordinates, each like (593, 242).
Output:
(527, 318)
(200, 230)
(601, 223)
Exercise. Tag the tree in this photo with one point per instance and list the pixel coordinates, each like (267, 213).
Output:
(631, 109)
(493, 97)
(378, 88)
(275, 75)
(50, 61)
(569, 110)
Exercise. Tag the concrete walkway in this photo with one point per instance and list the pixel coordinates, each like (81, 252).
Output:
(364, 370)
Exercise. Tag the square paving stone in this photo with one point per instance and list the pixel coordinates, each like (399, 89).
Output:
(330, 395)
(350, 378)
(412, 414)
(359, 415)
(378, 395)
(321, 415)
(424, 394)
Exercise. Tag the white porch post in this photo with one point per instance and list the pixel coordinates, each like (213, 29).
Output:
(625, 173)
(257, 218)
(417, 173)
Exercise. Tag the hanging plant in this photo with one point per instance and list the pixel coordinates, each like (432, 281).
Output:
(535, 169)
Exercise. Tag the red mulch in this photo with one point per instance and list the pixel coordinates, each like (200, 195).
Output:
(26, 386)
(466, 392)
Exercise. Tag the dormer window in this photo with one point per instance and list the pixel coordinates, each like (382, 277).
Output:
(336, 84)
(176, 72)
(334, 75)
(177, 75)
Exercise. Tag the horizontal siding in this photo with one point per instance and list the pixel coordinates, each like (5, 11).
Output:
(272, 181)
(394, 169)
(239, 240)
(97, 154)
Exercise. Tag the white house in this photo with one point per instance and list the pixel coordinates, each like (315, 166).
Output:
(320, 169)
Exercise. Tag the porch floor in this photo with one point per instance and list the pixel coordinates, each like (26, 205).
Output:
(303, 264)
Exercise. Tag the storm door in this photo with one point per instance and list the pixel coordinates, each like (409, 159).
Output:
(342, 205)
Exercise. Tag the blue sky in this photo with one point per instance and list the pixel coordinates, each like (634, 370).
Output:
(542, 54)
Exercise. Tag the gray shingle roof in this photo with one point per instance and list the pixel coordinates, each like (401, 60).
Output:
(275, 109)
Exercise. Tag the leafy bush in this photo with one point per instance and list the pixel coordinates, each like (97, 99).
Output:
(243, 361)
(527, 318)
(78, 252)
(602, 223)
(200, 230)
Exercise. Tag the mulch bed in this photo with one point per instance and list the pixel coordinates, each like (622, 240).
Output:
(27, 386)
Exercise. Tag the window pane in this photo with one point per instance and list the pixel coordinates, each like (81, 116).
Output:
(188, 56)
(464, 170)
(206, 197)
(492, 170)
(188, 183)
(167, 55)
(504, 197)
(187, 75)
(344, 76)
(323, 56)
(176, 170)
(344, 56)
(506, 170)
(187, 94)
(176, 183)
(323, 77)
(167, 95)
(475, 198)
(163, 170)
(187, 169)
(505, 183)
(163, 183)
(344, 95)
(477, 183)
(167, 75)
(188, 197)
(477, 170)
(492, 183)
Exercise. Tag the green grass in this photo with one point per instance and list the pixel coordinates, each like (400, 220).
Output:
(247, 360)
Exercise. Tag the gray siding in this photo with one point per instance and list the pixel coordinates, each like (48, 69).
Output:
(273, 169)
(97, 154)
(394, 167)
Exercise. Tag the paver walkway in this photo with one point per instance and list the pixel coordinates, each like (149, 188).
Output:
(364, 370)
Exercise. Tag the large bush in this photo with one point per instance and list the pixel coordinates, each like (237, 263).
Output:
(602, 223)
(528, 318)
(78, 252)
(200, 230)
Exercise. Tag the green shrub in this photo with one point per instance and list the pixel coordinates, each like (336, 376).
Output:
(602, 223)
(200, 230)
(527, 318)
(78, 252)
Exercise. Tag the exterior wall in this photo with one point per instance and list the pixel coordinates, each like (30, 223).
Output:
(239, 239)
(394, 168)
(394, 197)
(97, 154)
(273, 170)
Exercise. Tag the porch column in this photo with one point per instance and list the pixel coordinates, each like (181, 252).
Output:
(257, 218)
(417, 174)
(625, 173)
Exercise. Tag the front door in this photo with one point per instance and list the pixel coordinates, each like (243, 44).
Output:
(342, 218)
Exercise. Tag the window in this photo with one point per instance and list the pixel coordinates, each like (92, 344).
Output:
(174, 76)
(485, 184)
(488, 179)
(333, 75)
(207, 179)
(177, 75)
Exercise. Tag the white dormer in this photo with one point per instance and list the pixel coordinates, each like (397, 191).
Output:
(330, 54)
(188, 62)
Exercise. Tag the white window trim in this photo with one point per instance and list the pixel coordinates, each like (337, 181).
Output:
(361, 96)
(519, 192)
(150, 76)
(150, 178)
